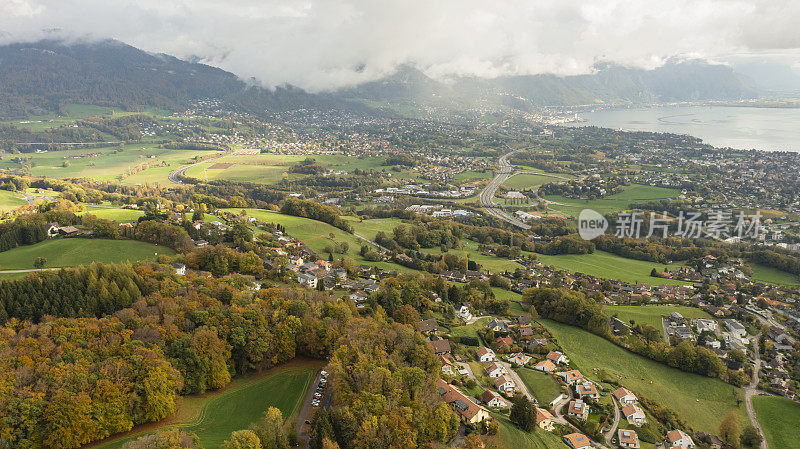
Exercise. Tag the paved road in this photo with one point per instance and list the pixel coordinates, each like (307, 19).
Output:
(175, 175)
(486, 197)
(306, 413)
(518, 380)
(610, 434)
(751, 390)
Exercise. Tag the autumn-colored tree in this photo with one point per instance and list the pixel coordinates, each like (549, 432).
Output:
(729, 429)
(242, 439)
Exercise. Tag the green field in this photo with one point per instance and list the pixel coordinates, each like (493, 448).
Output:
(612, 203)
(69, 252)
(517, 439)
(306, 228)
(109, 165)
(370, 228)
(472, 176)
(10, 200)
(769, 275)
(542, 385)
(470, 249)
(213, 416)
(703, 402)
(652, 314)
(73, 112)
(114, 213)
(610, 266)
(271, 167)
(779, 419)
(530, 180)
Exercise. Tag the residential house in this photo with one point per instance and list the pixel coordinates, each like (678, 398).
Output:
(494, 370)
(497, 325)
(468, 411)
(587, 390)
(634, 414)
(486, 355)
(180, 269)
(464, 313)
(505, 384)
(678, 438)
(624, 396)
(441, 346)
(307, 280)
(557, 357)
(705, 324)
(430, 327)
(493, 400)
(545, 365)
(525, 333)
(577, 441)
(523, 320)
(627, 438)
(544, 419)
(578, 409)
(736, 328)
(572, 376)
(519, 359)
(503, 341)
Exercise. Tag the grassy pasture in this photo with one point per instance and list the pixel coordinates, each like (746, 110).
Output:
(109, 165)
(213, 416)
(270, 168)
(779, 419)
(609, 266)
(305, 229)
(73, 112)
(370, 228)
(652, 314)
(70, 252)
(769, 275)
(114, 213)
(10, 201)
(530, 180)
(703, 402)
(612, 203)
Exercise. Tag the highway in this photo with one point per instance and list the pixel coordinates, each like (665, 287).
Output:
(486, 197)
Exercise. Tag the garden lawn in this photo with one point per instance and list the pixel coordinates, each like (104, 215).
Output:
(652, 314)
(542, 385)
(779, 419)
(634, 193)
(701, 401)
(69, 252)
(213, 416)
(610, 266)
(513, 437)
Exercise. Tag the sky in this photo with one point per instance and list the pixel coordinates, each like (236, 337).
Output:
(329, 44)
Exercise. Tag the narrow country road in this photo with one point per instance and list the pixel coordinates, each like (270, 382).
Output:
(30, 270)
(752, 389)
(610, 434)
(305, 413)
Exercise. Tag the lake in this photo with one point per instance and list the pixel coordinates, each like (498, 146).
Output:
(772, 129)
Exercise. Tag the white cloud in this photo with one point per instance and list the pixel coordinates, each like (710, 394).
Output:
(322, 44)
